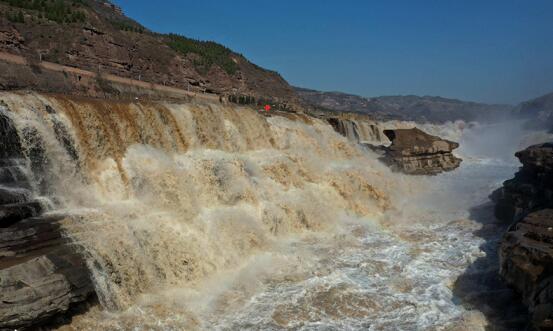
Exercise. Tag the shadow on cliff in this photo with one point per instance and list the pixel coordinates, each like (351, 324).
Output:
(480, 287)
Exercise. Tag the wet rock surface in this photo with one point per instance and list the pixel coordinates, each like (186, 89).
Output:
(12, 213)
(42, 275)
(526, 251)
(415, 152)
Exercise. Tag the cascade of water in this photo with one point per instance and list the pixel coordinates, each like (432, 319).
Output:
(211, 216)
(167, 194)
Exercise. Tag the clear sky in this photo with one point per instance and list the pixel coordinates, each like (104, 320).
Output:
(497, 51)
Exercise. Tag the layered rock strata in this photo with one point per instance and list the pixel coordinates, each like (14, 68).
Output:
(526, 252)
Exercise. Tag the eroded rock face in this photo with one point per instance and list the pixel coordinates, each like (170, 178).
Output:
(526, 253)
(417, 153)
(532, 187)
(42, 274)
(526, 257)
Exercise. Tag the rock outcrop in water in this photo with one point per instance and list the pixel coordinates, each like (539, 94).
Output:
(417, 153)
(412, 151)
(42, 275)
(526, 254)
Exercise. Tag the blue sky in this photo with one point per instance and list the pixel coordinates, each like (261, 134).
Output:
(481, 50)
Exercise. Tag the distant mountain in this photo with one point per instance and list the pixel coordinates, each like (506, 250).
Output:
(539, 111)
(537, 105)
(95, 35)
(409, 108)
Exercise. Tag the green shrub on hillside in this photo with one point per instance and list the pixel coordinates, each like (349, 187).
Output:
(210, 53)
(15, 17)
(125, 26)
(59, 11)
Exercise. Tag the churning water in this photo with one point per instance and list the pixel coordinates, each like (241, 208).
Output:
(208, 217)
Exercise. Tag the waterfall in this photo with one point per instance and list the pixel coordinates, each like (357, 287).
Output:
(204, 216)
(358, 130)
(162, 195)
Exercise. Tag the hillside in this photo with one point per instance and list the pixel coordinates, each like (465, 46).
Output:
(411, 108)
(538, 110)
(95, 35)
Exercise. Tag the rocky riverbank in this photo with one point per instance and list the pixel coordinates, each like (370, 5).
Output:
(526, 252)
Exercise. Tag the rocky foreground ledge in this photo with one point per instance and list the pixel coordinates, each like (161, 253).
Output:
(526, 252)
(415, 152)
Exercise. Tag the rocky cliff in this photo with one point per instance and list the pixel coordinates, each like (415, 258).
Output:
(95, 35)
(526, 253)
(526, 263)
(532, 187)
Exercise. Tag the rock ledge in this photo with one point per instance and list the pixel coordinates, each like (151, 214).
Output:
(415, 152)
